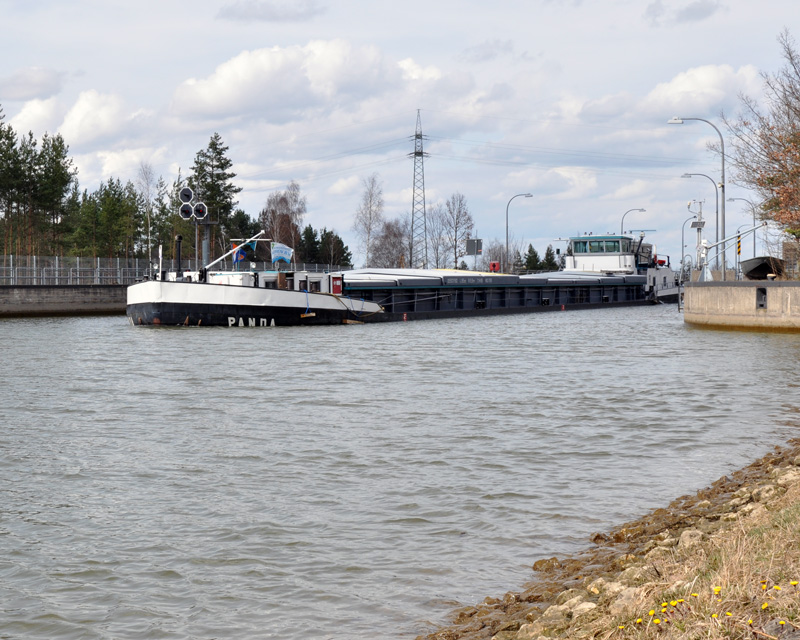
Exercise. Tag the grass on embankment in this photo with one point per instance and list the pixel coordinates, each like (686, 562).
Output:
(742, 582)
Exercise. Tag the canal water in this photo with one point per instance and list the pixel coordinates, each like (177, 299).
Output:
(348, 482)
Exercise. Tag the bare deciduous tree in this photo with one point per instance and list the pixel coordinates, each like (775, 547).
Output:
(438, 252)
(391, 245)
(493, 251)
(369, 215)
(458, 225)
(766, 143)
(146, 185)
(283, 215)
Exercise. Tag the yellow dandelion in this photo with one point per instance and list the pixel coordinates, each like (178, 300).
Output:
(763, 587)
(681, 600)
(728, 613)
(793, 583)
(750, 621)
(695, 595)
(713, 615)
(663, 604)
(673, 603)
(764, 606)
(664, 610)
(652, 612)
(638, 621)
(763, 581)
(717, 589)
(781, 622)
(656, 621)
(622, 626)
(776, 587)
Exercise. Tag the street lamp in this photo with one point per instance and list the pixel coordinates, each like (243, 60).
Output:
(527, 195)
(753, 210)
(621, 222)
(677, 120)
(716, 194)
(683, 252)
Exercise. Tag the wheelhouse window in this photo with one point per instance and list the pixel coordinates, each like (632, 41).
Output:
(601, 246)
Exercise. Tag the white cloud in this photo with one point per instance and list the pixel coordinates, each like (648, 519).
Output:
(38, 116)
(96, 167)
(635, 188)
(124, 162)
(345, 186)
(30, 83)
(606, 107)
(575, 182)
(280, 84)
(93, 116)
(414, 72)
(702, 89)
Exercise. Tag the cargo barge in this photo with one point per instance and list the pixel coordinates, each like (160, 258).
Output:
(284, 298)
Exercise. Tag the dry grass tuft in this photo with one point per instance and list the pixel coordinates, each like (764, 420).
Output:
(744, 582)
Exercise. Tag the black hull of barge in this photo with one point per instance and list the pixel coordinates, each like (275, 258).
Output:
(170, 315)
(173, 315)
(407, 316)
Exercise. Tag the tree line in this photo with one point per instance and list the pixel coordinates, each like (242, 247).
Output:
(386, 243)
(44, 211)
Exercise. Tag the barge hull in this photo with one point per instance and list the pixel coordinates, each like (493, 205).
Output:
(172, 314)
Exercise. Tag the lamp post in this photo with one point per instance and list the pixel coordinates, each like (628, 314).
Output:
(621, 222)
(721, 231)
(527, 195)
(753, 211)
(716, 206)
(683, 252)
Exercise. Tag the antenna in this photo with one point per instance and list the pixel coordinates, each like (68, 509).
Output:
(419, 235)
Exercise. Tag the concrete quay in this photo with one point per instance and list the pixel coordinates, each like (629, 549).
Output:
(766, 305)
(62, 300)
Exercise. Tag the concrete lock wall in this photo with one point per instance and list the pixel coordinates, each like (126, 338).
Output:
(43, 300)
(759, 304)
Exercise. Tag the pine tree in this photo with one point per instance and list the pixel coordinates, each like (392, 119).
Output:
(56, 177)
(308, 249)
(333, 250)
(532, 260)
(211, 182)
(550, 263)
(10, 173)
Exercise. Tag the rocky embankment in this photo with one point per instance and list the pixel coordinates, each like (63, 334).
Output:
(658, 573)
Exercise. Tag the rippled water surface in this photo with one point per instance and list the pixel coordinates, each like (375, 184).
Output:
(348, 482)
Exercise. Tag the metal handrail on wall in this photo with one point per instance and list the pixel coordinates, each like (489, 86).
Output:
(55, 270)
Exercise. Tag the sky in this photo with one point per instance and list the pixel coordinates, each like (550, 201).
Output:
(565, 99)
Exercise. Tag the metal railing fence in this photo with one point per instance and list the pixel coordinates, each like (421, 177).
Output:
(55, 270)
